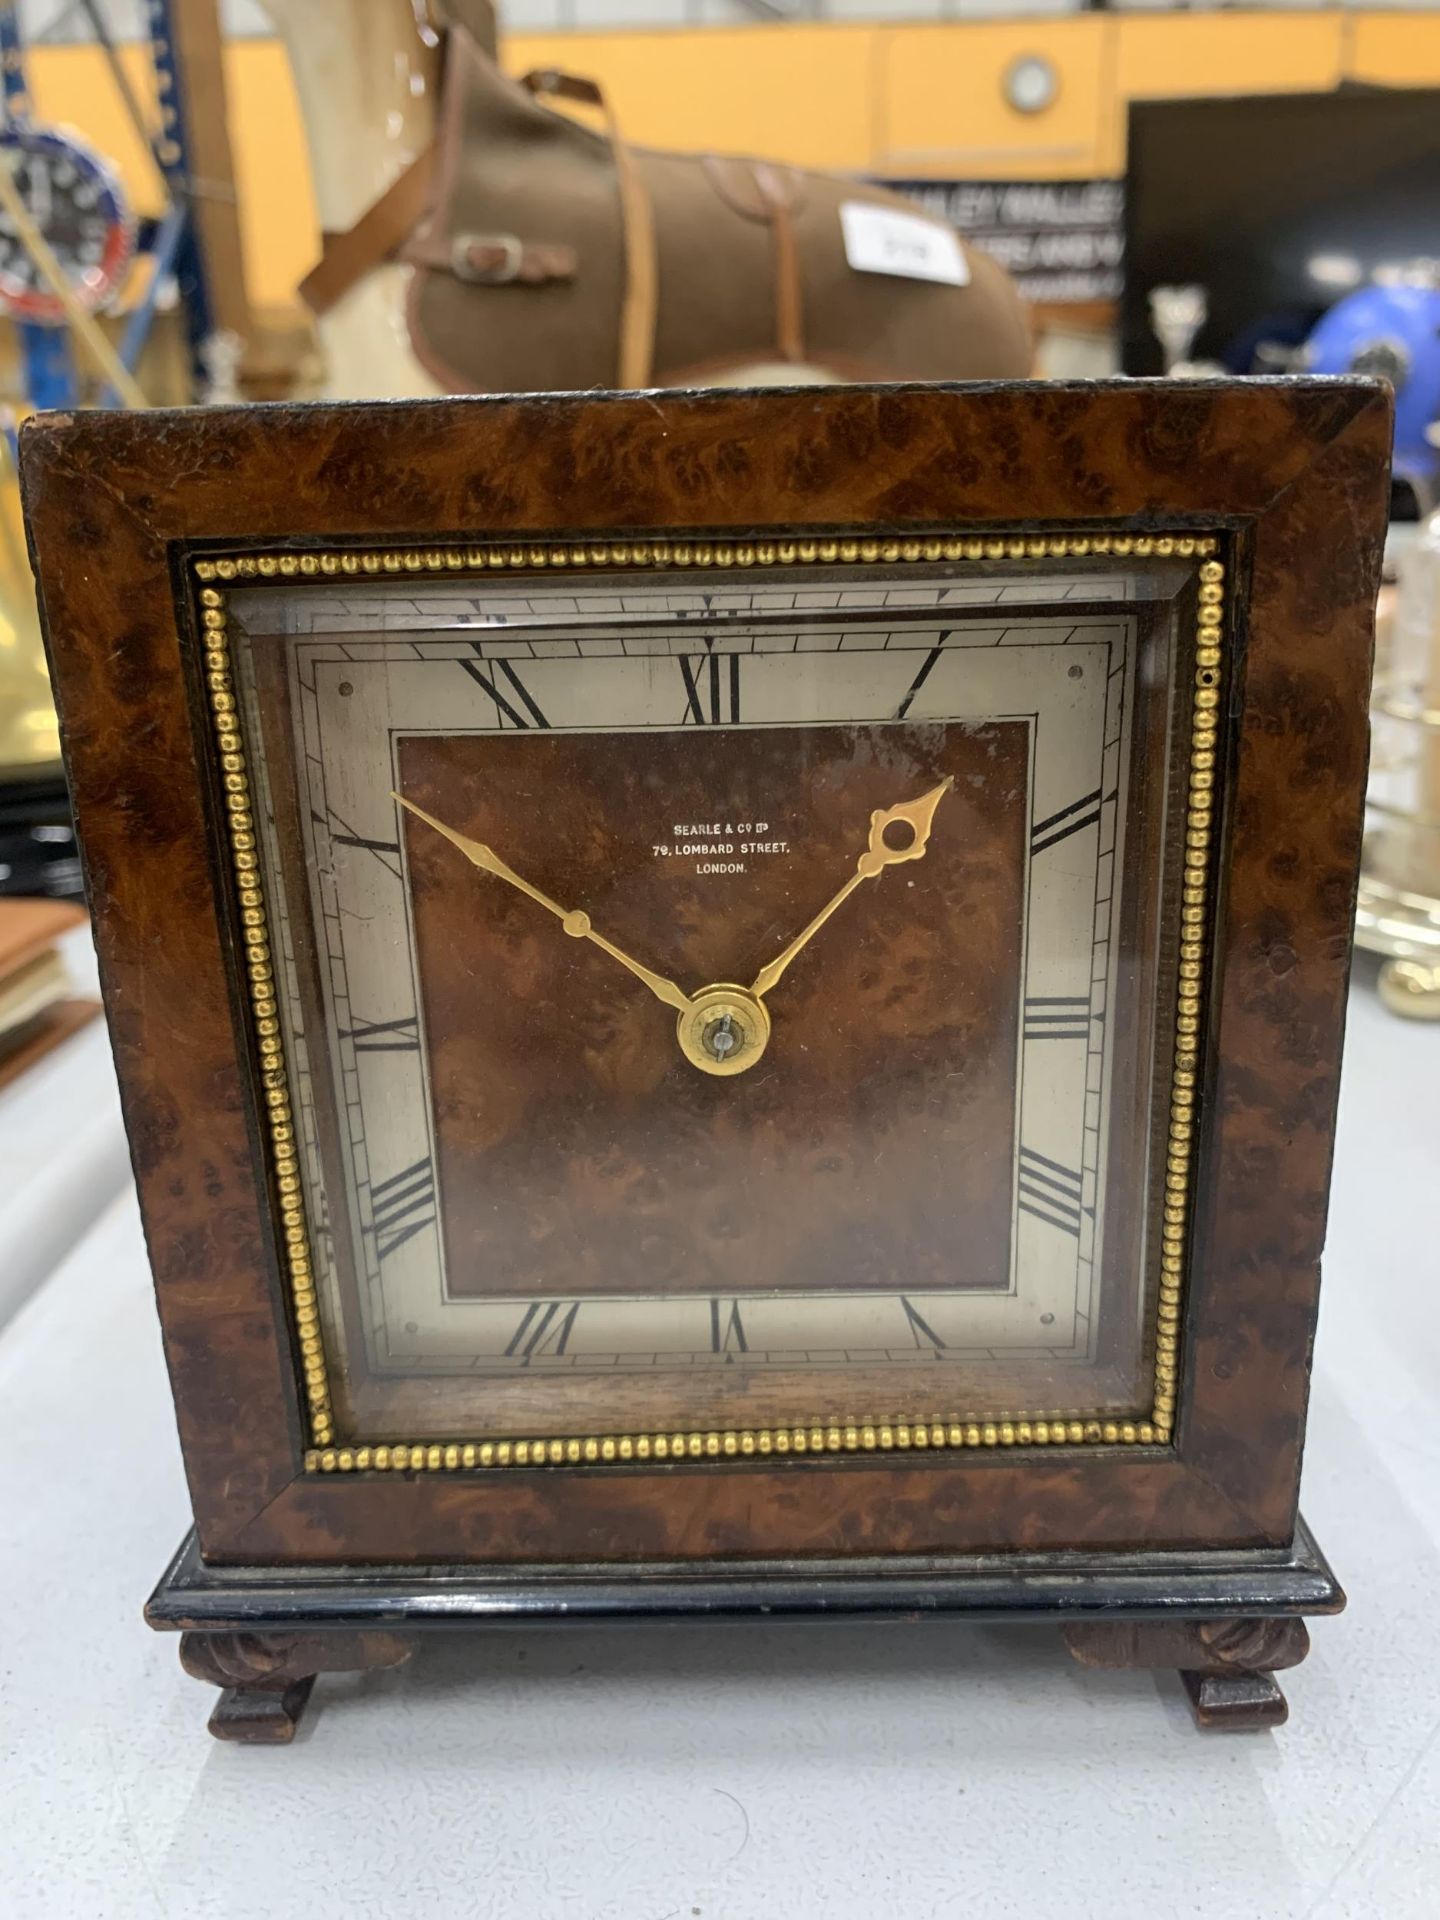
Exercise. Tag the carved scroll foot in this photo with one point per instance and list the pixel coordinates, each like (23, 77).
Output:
(257, 1717)
(1235, 1702)
(1227, 1666)
(265, 1678)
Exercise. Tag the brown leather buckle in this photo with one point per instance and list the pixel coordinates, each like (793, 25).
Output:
(506, 257)
(565, 86)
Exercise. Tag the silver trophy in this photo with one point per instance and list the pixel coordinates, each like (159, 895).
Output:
(1177, 314)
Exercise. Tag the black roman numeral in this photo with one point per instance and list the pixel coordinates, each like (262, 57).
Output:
(385, 1036)
(367, 846)
(1080, 814)
(727, 1335)
(401, 1207)
(1050, 1192)
(926, 666)
(545, 1327)
(387, 852)
(712, 688)
(513, 700)
(1064, 1018)
(923, 1334)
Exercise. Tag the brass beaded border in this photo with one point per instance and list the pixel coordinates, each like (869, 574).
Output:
(279, 1115)
(212, 576)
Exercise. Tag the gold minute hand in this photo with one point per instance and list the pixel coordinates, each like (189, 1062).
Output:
(917, 815)
(577, 925)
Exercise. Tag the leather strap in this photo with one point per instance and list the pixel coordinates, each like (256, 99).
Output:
(346, 258)
(769, 195)
(475, 17)
(789, 310)
(636, 358)
(736, 182)
(384, 233)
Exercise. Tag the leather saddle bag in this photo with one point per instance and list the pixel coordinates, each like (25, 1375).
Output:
(550, 254)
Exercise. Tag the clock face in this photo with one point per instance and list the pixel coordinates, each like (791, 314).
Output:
(1031, 83)
(75, 200)
(724, 1001)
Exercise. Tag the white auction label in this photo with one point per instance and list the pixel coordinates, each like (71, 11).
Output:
(879, 240)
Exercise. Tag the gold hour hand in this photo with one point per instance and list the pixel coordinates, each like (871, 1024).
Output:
(576, 924)
(918, 816)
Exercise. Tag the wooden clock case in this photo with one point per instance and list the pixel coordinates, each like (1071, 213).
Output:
(1182, 1549)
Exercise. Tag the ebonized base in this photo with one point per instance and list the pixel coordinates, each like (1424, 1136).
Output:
(1226, 1621)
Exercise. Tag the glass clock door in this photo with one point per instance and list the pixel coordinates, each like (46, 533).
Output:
(731, 1003)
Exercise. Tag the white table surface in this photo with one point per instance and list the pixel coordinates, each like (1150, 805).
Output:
(62, 1144)
(747, 1773)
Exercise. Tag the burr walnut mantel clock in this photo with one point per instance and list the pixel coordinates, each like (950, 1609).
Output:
(728, 1004)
